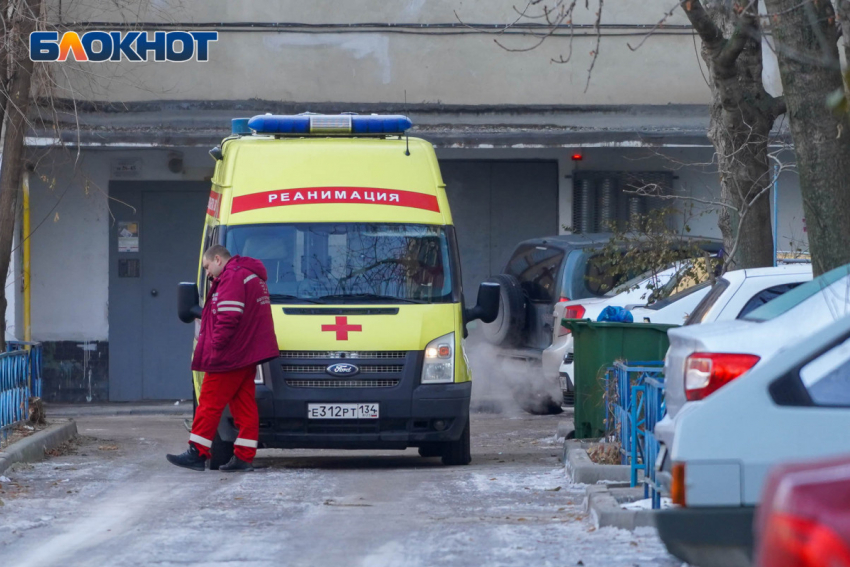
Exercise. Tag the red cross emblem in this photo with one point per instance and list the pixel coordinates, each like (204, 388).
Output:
(342, 328)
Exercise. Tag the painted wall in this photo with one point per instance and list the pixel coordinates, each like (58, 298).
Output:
(450, 65)
(70, 271)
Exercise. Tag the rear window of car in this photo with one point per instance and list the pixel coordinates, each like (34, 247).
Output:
(766, 296)
(677, 296)
(704, 306)
(537, 269)
(827, 378)
(798, 295)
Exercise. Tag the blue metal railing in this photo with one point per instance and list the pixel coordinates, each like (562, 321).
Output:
(20, 378)
(637, 404)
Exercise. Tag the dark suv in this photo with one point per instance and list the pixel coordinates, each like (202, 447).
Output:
(542, 272)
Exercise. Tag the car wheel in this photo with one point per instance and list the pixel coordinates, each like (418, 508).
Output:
(508, 328)
(458, 452)
(222, 452)
(539, 404)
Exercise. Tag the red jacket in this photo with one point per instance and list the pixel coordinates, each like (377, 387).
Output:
(236, 327)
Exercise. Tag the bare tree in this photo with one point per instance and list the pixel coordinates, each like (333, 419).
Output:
(742, 111)
(18, 67)
(806, 38)
(47, 97)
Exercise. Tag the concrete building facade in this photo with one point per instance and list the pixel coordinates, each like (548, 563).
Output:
(508, 126)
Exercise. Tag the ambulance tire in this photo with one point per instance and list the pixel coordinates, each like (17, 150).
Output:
(222, 452)
(508, 328)
(458, 452)
(430, 450)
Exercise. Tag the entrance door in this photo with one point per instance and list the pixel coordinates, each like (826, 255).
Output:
(496, 205)
(149, 348)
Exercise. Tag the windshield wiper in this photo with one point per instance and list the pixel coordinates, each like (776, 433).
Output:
(286, 297)
(369, 296)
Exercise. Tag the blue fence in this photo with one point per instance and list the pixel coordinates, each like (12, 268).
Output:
(635, 396)
(20, 378)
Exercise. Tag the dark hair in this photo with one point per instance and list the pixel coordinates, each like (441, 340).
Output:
(217, 250)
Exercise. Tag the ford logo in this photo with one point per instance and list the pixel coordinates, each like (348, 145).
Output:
(341, 369)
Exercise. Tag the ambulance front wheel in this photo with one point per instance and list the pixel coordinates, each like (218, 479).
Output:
(458, 452)
(222, 452)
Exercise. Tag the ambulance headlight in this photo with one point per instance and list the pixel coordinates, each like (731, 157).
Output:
(259, 378)
(439, 365)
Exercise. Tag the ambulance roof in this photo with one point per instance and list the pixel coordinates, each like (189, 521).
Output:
(264, 179)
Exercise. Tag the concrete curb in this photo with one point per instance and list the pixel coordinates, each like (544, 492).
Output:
(32, 448)
(113, 409)
(584, 471)
(605, 511)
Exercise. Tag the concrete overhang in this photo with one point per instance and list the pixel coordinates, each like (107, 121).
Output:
(205, 123)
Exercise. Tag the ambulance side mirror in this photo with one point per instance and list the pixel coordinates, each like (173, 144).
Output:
(487, 308)
(188, 302)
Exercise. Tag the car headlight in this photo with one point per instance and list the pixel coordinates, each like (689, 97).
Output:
(258, 377)
(439, 365)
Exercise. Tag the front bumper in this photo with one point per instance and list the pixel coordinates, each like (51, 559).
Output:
(411, 414)
(708, 537)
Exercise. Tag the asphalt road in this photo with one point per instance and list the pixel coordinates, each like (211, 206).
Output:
(112, 500)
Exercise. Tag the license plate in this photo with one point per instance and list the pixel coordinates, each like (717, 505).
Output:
(563, 380)
(342, 411)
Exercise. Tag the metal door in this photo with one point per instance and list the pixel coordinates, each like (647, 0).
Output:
(150, 348)
(496, 205)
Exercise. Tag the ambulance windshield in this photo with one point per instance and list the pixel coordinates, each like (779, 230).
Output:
(350, 262)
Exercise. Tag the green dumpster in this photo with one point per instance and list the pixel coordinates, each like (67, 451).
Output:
(596, 346)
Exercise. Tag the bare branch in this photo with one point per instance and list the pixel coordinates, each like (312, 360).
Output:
(702, 22)
(745, 30)
(654, 29)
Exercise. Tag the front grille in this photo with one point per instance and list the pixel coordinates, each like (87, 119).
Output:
(390, 354)
(303, 368)
(320, 369)
(342, 383)
(569, 358)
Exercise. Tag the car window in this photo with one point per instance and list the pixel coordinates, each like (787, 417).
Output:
(707, 302)
(827, 378)
(677, 296)
(537, 269)
(798, 295)
(766, 295)
(598, 277)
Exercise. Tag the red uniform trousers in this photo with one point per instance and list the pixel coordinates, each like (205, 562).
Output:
(217, 391)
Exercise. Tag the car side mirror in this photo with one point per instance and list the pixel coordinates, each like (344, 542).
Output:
(188, 303)
(487, 308)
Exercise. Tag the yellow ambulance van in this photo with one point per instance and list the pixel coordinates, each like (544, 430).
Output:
(351, 220)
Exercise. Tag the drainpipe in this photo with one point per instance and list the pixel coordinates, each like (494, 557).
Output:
(775, 212)
(26, 259)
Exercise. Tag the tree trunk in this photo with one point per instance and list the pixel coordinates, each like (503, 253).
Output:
(13, 146)
(806, 39)
(742, 115)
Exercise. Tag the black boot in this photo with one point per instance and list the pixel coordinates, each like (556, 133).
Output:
(191, 459)
(236, 465)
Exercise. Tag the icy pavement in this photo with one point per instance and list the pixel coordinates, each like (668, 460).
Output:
(114, 500)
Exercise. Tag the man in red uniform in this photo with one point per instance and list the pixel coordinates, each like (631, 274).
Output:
(237, 334)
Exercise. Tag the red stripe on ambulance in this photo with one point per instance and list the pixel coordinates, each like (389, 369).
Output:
(214, 205)
(334, 195)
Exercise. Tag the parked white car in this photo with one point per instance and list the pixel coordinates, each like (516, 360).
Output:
(738, 329)
(794, 407)
(673, 310)
(557, 358)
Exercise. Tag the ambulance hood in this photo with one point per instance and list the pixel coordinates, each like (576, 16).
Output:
(362, 328)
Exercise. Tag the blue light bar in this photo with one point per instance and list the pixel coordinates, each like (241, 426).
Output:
(338, 124)
(239, 127)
